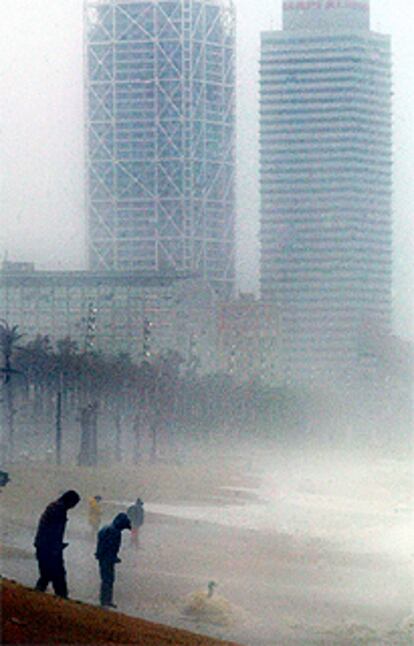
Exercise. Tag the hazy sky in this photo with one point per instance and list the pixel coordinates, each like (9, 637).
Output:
(41, 135)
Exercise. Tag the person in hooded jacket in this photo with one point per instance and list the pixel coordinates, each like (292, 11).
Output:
(107, 548)
(135, 514)
(49, 543)
(94, 514)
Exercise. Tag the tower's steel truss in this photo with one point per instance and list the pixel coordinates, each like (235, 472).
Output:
(160, 95)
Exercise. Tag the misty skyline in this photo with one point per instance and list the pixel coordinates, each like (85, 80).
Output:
(41, 125)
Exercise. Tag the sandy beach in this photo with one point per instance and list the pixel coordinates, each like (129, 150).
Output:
(283, 577)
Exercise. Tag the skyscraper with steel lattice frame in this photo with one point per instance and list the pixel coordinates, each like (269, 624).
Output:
(325, 154)
(160, 103)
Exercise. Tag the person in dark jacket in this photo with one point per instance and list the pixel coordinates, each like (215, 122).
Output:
(107, 548)
(4, 478)
(49, 543)
(135, 514)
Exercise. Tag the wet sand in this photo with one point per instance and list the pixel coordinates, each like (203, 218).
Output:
(277, 588)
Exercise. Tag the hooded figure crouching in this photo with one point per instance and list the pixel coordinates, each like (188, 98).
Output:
(109, 542)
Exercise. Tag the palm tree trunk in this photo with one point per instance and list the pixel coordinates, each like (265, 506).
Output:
(84, 457)
(9, 400)
(137, 430)
(59, 427)
(154, 434)
(118, 436)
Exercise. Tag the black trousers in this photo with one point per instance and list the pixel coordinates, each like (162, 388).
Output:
(107, 572)
(52, 570)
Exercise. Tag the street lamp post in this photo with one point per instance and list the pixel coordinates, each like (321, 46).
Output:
(88, 454)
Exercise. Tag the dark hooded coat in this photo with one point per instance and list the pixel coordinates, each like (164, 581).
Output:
(109, 539)
(52, 523)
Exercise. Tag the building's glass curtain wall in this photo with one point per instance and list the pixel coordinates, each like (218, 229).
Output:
(160, 93)
(325, 137)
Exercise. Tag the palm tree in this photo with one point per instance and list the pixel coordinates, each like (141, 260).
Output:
(9, 338)
(36, 359)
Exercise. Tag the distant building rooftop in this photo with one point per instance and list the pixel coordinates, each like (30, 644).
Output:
(18, 273)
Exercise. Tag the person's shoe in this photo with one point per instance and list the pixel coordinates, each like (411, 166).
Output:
(109, 605)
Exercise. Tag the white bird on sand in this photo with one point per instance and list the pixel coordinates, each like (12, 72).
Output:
(210, 587)
(202, 608)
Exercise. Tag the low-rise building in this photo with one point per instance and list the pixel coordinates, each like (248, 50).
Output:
(108, 311)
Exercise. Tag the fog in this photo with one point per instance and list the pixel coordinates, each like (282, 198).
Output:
(41, 125)
(307, 545)
(299, 507)
(296, 501)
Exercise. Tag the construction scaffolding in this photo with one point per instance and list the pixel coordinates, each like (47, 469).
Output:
(160, 132)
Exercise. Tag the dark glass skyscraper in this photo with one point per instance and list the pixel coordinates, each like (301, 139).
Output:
(325, 139)
(160, 94)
